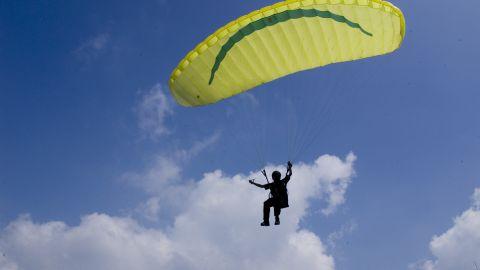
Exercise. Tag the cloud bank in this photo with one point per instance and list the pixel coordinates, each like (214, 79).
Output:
(459, 247)
(217, 229)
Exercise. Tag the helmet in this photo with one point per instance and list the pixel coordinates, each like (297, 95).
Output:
(276, 175)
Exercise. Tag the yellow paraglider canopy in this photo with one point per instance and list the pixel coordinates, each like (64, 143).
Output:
(282, 39)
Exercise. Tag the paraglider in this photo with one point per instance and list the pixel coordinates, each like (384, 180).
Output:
(278, 198)
(282, 39)
(279, 40)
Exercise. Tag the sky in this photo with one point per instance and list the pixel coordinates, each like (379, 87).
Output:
(101, 169)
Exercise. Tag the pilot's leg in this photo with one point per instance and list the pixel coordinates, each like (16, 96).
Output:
(266, 212)
(276, 211)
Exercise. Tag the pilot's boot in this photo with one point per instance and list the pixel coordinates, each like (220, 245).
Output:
(277, 220)
(265, 223)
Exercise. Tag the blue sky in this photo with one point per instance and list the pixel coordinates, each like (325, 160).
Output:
(74, 76)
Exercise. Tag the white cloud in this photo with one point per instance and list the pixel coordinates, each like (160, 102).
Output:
(99, 242)
(459, 247)
(339, 234)
(251, 99)
(152, 112)
(198, 147)
(337, 177)
(422, 265)
(164, 181)
(151, 209)
(217, 229)
(163, 173)
(5, 264)
(476, 199)
(91, 48)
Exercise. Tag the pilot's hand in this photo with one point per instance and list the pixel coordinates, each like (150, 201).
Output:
(251, 182)
(290, 165)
